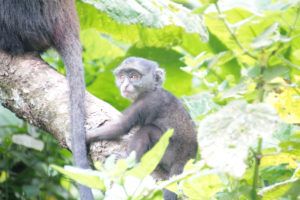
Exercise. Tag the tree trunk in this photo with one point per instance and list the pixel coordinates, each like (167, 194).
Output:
(38, 94)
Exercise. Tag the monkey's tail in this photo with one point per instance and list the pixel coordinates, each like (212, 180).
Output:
(71, 54)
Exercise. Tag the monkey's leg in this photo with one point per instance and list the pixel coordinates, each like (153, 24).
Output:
(155, 135)
(142, 140)
(173, 162)
(176, 169)
(168, 195)
(140, 143)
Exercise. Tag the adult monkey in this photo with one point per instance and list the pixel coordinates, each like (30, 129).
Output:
(154, 110)
(36, 25)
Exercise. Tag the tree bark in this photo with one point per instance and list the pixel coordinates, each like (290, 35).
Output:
(38, 94)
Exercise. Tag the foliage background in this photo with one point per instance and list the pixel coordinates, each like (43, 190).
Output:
(221, 57)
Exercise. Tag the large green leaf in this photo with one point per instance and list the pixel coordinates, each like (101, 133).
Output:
(7, 118)
(151, 159)
(28, 141)
(200, 104)
(281, 189)
(9, 123)
(204, 186)
(225, 136)
(152, 13)
(124, 35)
(86, 177)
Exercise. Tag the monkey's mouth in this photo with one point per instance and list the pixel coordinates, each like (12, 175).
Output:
(126, 93)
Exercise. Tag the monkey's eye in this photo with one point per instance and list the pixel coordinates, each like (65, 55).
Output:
(134, 77)
(121, 77)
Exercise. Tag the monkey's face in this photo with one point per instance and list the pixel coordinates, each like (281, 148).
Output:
(132, 83)
(136, 76)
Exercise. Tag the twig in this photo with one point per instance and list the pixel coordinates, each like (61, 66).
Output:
(257, 157)
(233, 35)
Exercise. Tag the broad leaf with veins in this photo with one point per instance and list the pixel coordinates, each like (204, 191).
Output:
(153, 13)
(225, 136)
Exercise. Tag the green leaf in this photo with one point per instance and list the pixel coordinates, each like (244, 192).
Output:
(151, 159)
(8, 118)
(236, 92)
(97, 47)
(89, 178)
(200, 104)
(118, 169)
(219, 65)
(3, 176)
(190, 170)
(28, 141)
(224, 138)
(270, 36)
(152, 13)
(277, 190)
(273, 174)
(203, 187)
(9, 123)
(286, 102)
(276, 71)
(31, 190)
(267, 38)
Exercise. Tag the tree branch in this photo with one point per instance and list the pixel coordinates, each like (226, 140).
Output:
(38, 94)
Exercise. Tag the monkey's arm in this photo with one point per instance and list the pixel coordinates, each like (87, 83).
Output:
(118, 128)
(106, 132)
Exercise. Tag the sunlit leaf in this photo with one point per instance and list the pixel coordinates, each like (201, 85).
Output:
(151, 159)
(3, 176)
(152, 13)
(28, 141)
(200, 104)
(202, 186)
(267, 38)
(205, 64)
(97, 46)
(282, 158)
(119, 168)
(86, 177)
(225, 136)
(276, 71)
(190, 169)
(277, 190)
(116, 192)
(136, 187)
(287, 103)
(237, 91)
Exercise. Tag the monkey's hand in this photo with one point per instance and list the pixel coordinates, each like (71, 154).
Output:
(108, 131)
(113, 130)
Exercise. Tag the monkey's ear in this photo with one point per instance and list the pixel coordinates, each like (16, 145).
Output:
(160, 76)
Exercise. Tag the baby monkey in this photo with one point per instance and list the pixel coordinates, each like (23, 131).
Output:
(154, 110)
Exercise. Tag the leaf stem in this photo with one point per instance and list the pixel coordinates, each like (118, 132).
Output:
(257, 157)
(232, 34)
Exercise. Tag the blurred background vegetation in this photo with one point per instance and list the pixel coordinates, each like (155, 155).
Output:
(234, 63)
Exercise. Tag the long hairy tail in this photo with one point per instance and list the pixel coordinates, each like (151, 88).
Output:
(71, 55)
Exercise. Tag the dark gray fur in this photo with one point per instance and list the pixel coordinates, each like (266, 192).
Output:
(36, 25)
(154, 110)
